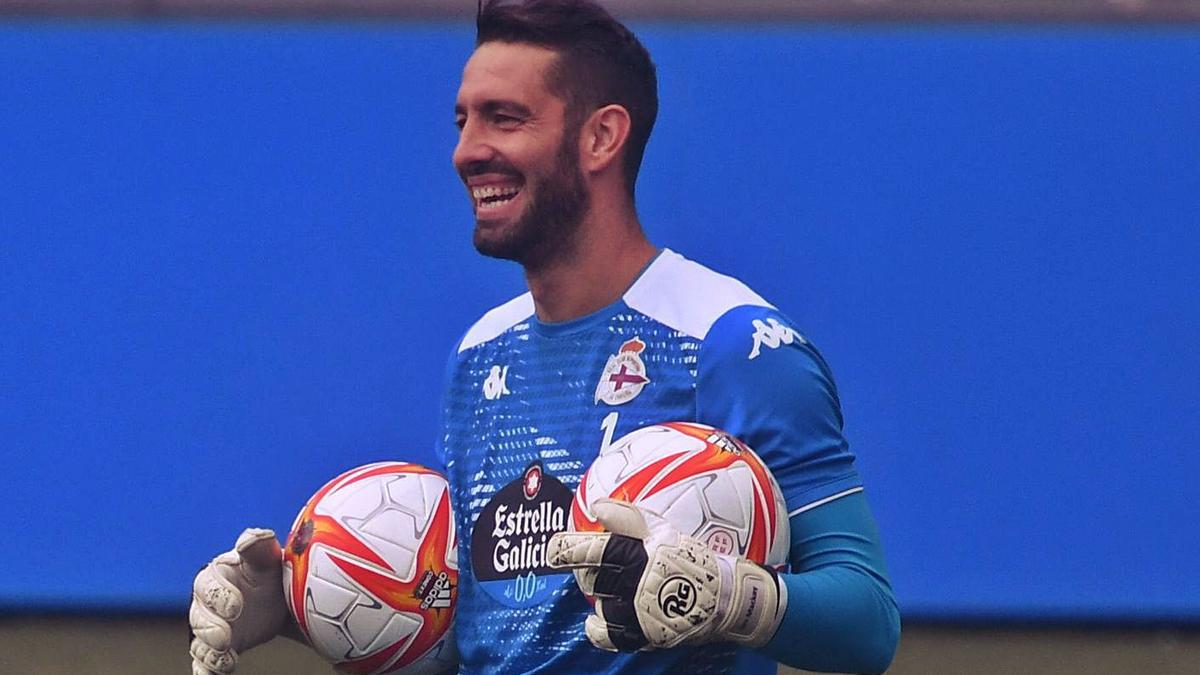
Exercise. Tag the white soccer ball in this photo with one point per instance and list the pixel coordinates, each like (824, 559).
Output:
(704, 481)
(371, 570)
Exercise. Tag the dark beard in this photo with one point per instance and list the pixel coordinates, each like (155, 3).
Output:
(548, 229)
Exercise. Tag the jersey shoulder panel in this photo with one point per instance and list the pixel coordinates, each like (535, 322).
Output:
(687, 296)
(764, 382)
(497, 320)
(748, 334)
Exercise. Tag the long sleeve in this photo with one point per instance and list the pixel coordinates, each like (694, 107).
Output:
(764, 382)
(841, 615)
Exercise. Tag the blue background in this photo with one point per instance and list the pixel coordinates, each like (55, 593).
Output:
(233, 258)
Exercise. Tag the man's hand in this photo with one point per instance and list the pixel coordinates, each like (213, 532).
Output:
(237, 602)
(656, 588)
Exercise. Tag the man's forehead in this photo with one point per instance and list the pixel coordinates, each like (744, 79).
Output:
(505, 65)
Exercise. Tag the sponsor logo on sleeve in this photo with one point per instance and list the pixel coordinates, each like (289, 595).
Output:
(770, 334)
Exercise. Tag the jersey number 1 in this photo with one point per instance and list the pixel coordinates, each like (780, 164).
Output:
(609, 425)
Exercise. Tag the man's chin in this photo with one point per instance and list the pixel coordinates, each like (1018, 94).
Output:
(496, 239)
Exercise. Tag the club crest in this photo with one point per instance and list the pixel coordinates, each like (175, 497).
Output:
(624, 375)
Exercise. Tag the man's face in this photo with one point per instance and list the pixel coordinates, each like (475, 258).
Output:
(516, 155)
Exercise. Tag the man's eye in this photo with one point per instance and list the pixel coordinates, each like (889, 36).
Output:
(460, 122)
(506, 121)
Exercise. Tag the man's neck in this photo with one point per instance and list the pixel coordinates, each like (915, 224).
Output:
(603, 265)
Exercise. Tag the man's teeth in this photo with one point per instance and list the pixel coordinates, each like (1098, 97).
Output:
(498, 196)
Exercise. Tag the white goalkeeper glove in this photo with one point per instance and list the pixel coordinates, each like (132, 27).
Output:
(237, 602)
(656, 588)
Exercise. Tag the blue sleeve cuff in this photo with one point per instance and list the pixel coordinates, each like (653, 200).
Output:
(841, 615)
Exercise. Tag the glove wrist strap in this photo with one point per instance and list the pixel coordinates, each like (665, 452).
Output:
(756, 605)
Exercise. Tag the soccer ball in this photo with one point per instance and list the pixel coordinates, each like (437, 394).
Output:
(370, 570)
(705, 482)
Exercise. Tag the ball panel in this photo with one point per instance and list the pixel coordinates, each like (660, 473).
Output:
(432, 489)
(699, 462)
(328, 636)
(392, 534)
(641, 483)
(383, 661)
(353, 501)
(379, 626)
(682, 504)
(728, 494)
(416, 495)
(330, 593)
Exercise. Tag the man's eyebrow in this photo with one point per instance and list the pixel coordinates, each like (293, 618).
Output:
(497, 105)
(507, 106)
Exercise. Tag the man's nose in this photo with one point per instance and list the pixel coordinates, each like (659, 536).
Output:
(472, 147)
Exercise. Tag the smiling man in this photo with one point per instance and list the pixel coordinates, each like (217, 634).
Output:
(554, 111)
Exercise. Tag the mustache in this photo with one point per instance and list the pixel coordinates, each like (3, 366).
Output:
(488, 166)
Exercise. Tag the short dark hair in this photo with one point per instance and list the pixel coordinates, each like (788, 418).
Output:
(600, 61)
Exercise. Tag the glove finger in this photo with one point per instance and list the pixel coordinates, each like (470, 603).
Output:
(621, 518)
(585, 578)
(199, 668)
(209, 628)
(616, 612)
(224, 662)
(620, 627)
(611, 582)
(605, 583)
(260, 549)
(622, 566)
(215, 591)
(570, 550)
(597, 633)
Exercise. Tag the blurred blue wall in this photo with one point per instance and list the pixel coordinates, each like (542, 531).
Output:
(233, 258)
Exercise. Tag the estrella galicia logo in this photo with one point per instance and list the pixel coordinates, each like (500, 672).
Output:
(676, 597)
(508, 544)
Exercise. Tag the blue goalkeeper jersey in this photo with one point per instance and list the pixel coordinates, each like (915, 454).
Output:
(528, 405)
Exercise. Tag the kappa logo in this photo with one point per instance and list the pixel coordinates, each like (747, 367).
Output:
(496, 384)
(771, 334)
(624, 375)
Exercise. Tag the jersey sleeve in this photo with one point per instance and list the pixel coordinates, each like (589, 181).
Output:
(761, 380)
(764, 382)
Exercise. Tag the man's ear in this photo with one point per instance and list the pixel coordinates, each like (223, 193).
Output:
(603, 138)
